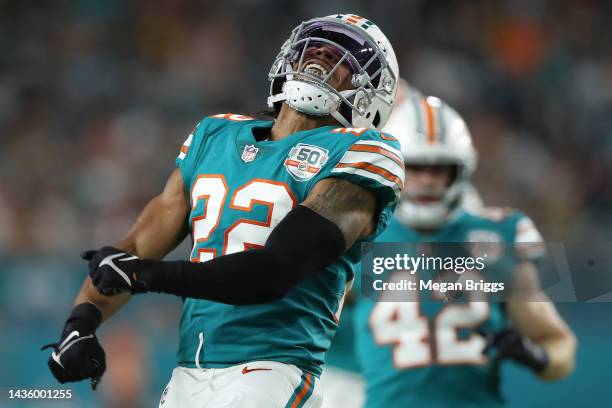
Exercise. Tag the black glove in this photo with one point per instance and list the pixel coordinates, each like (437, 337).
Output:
(78, 354)
(114, 271)
(510, 344)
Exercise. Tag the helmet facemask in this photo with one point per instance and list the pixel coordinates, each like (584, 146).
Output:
(433, 214)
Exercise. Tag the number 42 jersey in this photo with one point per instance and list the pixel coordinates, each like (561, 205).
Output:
(239, 190)
(426, 353)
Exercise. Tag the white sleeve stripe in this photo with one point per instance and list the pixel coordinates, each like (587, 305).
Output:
(526, 231)
(531, 250)
(351, 157)
(185, 147)
(529, 236)
(370, 175)
(380, 144)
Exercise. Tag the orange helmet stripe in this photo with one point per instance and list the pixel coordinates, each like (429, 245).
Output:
(431, 121)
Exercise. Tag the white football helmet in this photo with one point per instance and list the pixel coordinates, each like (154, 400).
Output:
(432, 133)
(307, 89)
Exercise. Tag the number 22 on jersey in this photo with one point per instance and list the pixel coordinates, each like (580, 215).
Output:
(243, 233)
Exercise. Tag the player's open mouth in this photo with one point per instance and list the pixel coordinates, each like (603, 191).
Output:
(316, 70)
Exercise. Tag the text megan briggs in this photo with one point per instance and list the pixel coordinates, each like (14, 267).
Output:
(468, 285)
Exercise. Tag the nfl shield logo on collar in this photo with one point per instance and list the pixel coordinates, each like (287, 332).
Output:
(249, 153)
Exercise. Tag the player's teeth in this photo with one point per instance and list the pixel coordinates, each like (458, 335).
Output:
(316, 70)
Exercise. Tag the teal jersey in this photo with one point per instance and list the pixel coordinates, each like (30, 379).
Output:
(425, 353)
(240, 189)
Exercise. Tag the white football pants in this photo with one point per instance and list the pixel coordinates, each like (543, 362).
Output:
(258, 384)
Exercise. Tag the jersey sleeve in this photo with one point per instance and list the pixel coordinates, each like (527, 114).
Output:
(374, 162)
(528, 241)
(189, 153)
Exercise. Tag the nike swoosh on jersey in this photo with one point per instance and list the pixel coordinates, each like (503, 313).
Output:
(247, 370)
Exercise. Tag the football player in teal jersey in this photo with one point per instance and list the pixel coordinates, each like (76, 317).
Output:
(276, 211)
(432, 354)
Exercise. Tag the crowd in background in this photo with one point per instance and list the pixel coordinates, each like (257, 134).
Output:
(97, 96)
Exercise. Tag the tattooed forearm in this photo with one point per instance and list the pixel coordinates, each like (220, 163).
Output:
(348, 205)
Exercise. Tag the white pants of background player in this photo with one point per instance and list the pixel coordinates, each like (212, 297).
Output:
(258, 384)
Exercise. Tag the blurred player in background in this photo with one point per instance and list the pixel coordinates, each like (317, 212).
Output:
(341, 383)
(277, 212)
(424, 353)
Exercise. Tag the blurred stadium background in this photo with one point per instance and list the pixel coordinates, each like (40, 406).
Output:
(96, 97)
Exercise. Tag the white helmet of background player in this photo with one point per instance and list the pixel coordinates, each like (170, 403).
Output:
(432, 133)
(361, 45)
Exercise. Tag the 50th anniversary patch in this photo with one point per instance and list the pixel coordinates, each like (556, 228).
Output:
(305, 161)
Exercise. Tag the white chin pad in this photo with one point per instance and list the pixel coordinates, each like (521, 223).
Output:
(309, 98)
(422, 216)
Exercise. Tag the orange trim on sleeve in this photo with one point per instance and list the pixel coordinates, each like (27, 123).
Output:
(379, 150)
(374, 169)
(386, 136)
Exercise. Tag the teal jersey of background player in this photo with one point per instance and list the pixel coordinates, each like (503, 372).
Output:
(239, 190)
(425, 353)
